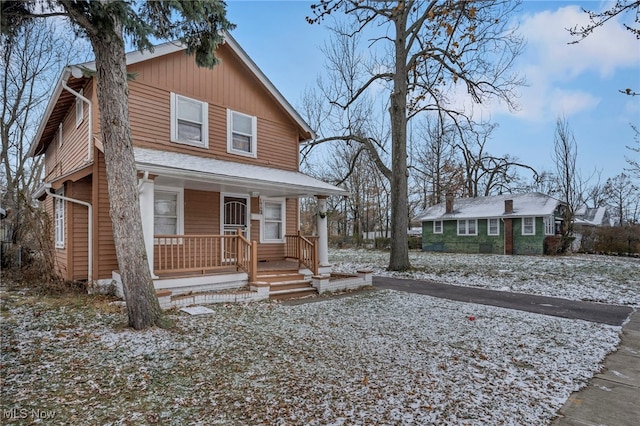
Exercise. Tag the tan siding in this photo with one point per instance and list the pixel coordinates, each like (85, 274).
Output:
(106, 260)
(229, 85)
(79, 255)
(72, 154)
(60, 255)
(201, 212)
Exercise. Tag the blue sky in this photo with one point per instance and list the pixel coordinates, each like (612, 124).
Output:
(579, 82)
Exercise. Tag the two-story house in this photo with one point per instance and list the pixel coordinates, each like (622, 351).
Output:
(217, 154)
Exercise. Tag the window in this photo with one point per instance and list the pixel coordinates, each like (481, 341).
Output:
(468, 227)
(273, 224)
(549, 225)
(493, 227)
(189, 121)
(437, 227)
(59, 219)
(242, 133)
(79, 109)
(167, 211)
(528, 226)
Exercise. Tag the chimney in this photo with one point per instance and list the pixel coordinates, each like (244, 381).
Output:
(449, 203)
(508, 206)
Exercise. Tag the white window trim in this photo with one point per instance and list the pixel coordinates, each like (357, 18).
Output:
(179, 210)
(549, 225)
(254, 136)
(79, 109)
(489, 227)
(534, 226)
(441, 227)
(59, 219)
(466, 227)
(283, 204)
(174, 122)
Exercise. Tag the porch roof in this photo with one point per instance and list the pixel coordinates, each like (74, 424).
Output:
(194, 172)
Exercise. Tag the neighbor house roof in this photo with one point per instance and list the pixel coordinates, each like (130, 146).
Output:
(229, 176)
(530, 204)
(592, 216)
(74, 76)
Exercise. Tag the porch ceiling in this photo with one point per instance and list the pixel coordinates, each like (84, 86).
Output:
(208, 174)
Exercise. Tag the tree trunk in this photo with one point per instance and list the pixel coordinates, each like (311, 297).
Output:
(399, 258)
(143, 307)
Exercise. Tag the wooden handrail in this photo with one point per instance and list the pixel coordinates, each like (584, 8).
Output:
(247, 256)
(304, 249)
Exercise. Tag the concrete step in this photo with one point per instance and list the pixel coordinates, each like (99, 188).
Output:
(290, 285)
(292, 293)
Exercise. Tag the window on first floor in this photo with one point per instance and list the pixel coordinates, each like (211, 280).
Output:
(468, 227)
(437, 227)
(493, 227)
(189, 121)
(242, 133)
(273, 222)
(549, 225)
(59, 219)
(528, 226)
(168, 211)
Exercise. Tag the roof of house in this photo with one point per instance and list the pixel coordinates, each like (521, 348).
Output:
(592, 216)
(529, 204)
(229, 176)
(74, 76)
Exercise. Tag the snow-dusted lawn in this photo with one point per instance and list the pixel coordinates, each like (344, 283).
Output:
(373, 358)
(596, 278)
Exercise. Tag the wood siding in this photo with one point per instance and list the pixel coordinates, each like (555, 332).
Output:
(105, 260)
(228, 86)
(72, 154)
(78, 229)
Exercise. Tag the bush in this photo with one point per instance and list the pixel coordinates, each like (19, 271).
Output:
(553, 244)
(615, 239)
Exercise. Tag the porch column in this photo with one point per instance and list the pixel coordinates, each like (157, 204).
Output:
(323, 239)
(145, 186)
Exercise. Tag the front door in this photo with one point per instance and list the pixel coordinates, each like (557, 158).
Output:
(234, 219)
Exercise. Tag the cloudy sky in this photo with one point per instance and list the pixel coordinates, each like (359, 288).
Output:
(579, 82)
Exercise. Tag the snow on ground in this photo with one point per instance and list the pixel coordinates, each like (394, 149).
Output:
(596, 278)
(379, 357)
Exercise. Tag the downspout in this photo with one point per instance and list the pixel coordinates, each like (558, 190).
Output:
(88, 102)
(47, 189)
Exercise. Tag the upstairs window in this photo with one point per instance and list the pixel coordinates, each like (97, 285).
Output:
(59, 219)
(528, 226)
(437, 227)
(79, 109)
(189, 121)
(242, 134)
(493, 227)
(468, 227)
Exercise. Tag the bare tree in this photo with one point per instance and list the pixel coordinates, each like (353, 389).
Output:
(634, 160)
(622, 195)
(432, 47)
(30, 60)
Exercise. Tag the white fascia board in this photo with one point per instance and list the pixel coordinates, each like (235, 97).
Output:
(53, 100)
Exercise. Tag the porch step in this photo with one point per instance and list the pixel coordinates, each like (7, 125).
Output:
(277, 278)
(280, 290)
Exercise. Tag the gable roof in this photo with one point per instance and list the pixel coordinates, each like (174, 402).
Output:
(73, 76)
(597, 216)
(230, 176)
(530, 204)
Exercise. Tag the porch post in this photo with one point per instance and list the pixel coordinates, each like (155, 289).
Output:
(323, 239)
(145, 186)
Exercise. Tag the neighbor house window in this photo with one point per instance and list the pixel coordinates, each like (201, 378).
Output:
(273, 223)
(79, 109)
(59, 219)
(528, 226)
(549, 225)
(167, 212)
(242, 133)
(493, 227)
(189, 121)
(468, 227)
(437, 227)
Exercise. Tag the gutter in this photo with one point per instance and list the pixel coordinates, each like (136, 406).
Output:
(47, 190)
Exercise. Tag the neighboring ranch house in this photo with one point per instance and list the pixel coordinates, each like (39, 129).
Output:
(502, 224)
(217, 153)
